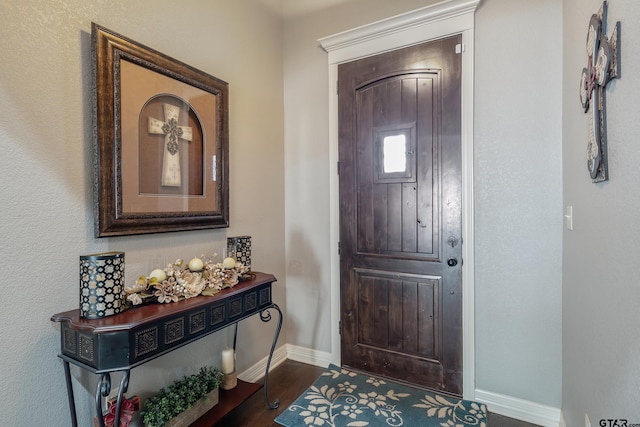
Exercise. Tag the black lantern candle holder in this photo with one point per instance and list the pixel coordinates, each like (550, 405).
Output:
(102, 285)
(239, 248)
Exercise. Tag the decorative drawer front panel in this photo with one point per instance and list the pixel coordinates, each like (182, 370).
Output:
(197, 322)
(235, 307)
(218, 315)
(146, 341)
(265, 296)
(173, 331)
(69, 341)
(86, 351)
(251, 302)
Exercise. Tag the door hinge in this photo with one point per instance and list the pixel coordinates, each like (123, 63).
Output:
(339, 248)
(337, 87)
(460, 48)
(338, 167)
(340, 327)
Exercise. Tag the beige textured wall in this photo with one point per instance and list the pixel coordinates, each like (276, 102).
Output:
(46, 219)
(601, 290)
(518, 199)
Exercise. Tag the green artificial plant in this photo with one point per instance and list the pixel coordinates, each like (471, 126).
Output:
(179, 396)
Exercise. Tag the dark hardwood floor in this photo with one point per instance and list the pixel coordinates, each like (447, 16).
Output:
(286, 383)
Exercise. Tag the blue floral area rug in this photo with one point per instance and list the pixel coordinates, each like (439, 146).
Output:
(341, 398)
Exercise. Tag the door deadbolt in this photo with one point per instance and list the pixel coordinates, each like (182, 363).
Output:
(452, 262)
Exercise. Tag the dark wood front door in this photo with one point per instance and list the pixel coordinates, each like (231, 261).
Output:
(400, 214)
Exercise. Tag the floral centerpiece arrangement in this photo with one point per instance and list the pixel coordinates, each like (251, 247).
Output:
(179, 280)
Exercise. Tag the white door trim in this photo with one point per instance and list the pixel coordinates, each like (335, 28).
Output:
(428, 23)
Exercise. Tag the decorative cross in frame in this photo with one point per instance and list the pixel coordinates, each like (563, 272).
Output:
(603, 65)
(172, 132)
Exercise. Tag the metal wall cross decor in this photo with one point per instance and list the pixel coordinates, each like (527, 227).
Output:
(171, 131)
(603, 65)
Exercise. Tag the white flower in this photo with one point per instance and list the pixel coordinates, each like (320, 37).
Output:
(192, 283)
(375, 381)
(134, 299)
(373, 400)
(315, 416)
(347, 387)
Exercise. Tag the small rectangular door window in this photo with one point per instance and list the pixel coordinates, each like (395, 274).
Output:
(394, 153)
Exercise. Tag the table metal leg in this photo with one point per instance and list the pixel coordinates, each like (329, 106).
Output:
(235, 337)
(103, 389)
(72, 402)
(265, 316)
(124, 385)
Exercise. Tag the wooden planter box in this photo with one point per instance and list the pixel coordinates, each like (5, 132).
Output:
(198, 409)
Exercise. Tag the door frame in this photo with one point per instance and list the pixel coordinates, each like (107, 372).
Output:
(419, 26)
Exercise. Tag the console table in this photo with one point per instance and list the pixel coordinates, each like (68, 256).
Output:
(138, 335)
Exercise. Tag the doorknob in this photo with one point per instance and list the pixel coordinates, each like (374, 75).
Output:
(452, 262)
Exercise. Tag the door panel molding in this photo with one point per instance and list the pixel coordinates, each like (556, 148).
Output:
(424, 343)
(422, 25)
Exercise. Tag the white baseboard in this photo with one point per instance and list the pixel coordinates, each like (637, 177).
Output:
(308, 356)
(256, 372)
(287, 351)
(563, 422)
(520, 409)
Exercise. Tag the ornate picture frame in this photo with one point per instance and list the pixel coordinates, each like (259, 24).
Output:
(161, 139)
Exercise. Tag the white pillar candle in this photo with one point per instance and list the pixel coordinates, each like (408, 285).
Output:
(228, 357)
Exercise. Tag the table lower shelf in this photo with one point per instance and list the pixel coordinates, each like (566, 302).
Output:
(229, 400)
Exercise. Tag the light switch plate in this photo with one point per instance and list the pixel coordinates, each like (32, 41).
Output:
(568, 217)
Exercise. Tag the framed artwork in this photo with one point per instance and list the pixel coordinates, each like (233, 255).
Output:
(161, 139)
